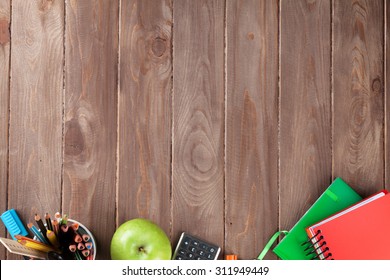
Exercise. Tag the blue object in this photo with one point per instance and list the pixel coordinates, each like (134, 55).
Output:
(13, 223)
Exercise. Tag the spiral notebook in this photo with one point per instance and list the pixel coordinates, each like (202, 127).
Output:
(335, 198)
(359, 232)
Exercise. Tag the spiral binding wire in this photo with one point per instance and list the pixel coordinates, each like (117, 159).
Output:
(313, 244)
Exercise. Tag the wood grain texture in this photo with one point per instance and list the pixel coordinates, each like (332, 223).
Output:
(198, 119)
(35, 149)
(5, 39)
(387, 94)
(305, 109)
(251, 201)
(91, 49)
(358, 151)
(144, 175)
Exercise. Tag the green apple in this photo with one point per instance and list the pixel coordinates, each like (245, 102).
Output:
(140, 239)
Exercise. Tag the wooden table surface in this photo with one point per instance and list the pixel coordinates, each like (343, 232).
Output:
(223, 118)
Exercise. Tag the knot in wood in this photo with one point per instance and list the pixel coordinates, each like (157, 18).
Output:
(376, 85)
(159, 46)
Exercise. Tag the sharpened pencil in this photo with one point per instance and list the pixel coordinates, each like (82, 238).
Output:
(77, 238)
(52, 238)
(88, 245)
(72, 248)
(80, 246)
(58, 217)
(55, 227)
(85, 253)
(86, 237)
(40, 247)
(48, 222)
(65, 236)
(41, 226)
(21, 237)
(37, 233)
(64, 220)
(75, 226)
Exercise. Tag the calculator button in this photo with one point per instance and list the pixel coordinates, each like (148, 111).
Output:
(182, 252)
(186, 241)
(201, 253)
(192, 249)
(212, 250)
(195, 243)
(190, 255)
(199, 258)
(209, 256)
(203, 246)
(179, 258)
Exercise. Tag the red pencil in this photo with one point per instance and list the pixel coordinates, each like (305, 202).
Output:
(77, 238)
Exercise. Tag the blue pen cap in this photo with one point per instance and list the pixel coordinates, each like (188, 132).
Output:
(13, 223)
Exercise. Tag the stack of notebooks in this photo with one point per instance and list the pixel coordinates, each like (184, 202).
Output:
(340, 225)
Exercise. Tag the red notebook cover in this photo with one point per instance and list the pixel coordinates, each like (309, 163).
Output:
(359, 232)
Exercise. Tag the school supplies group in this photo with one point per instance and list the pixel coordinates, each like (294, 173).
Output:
(339, 225)
(57, 238)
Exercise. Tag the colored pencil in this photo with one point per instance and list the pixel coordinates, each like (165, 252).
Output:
(37, 233)
(85, 253)
(64, 219)
(77, 238)
(80, 246)
(48, 222)
(88, 245)
(55, 227)
(65, 236)
(86, 237)
(52, 238)
(58, 217)
(21, 237)
(78, 256)
(41, 226)
(40, 247)
(75, 226)
(72, 248)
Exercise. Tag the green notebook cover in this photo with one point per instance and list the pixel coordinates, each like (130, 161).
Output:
(336, 197)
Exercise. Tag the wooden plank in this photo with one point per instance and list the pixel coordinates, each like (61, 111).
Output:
(305, 108)
(144, 170)
(35, 149)
(358, 152)
(91, 50)
(387, 92)
(251, 126)
(198, 119)
(5, 39)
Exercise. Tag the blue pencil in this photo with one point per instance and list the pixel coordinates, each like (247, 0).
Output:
(37, 233)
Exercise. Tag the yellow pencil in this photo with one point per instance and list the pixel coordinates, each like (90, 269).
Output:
(52, 238)
(40, 247)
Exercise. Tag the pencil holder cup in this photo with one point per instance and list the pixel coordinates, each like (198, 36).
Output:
(84, 230)
(89, 243)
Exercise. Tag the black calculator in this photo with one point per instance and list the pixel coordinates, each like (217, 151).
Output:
(192, 248)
